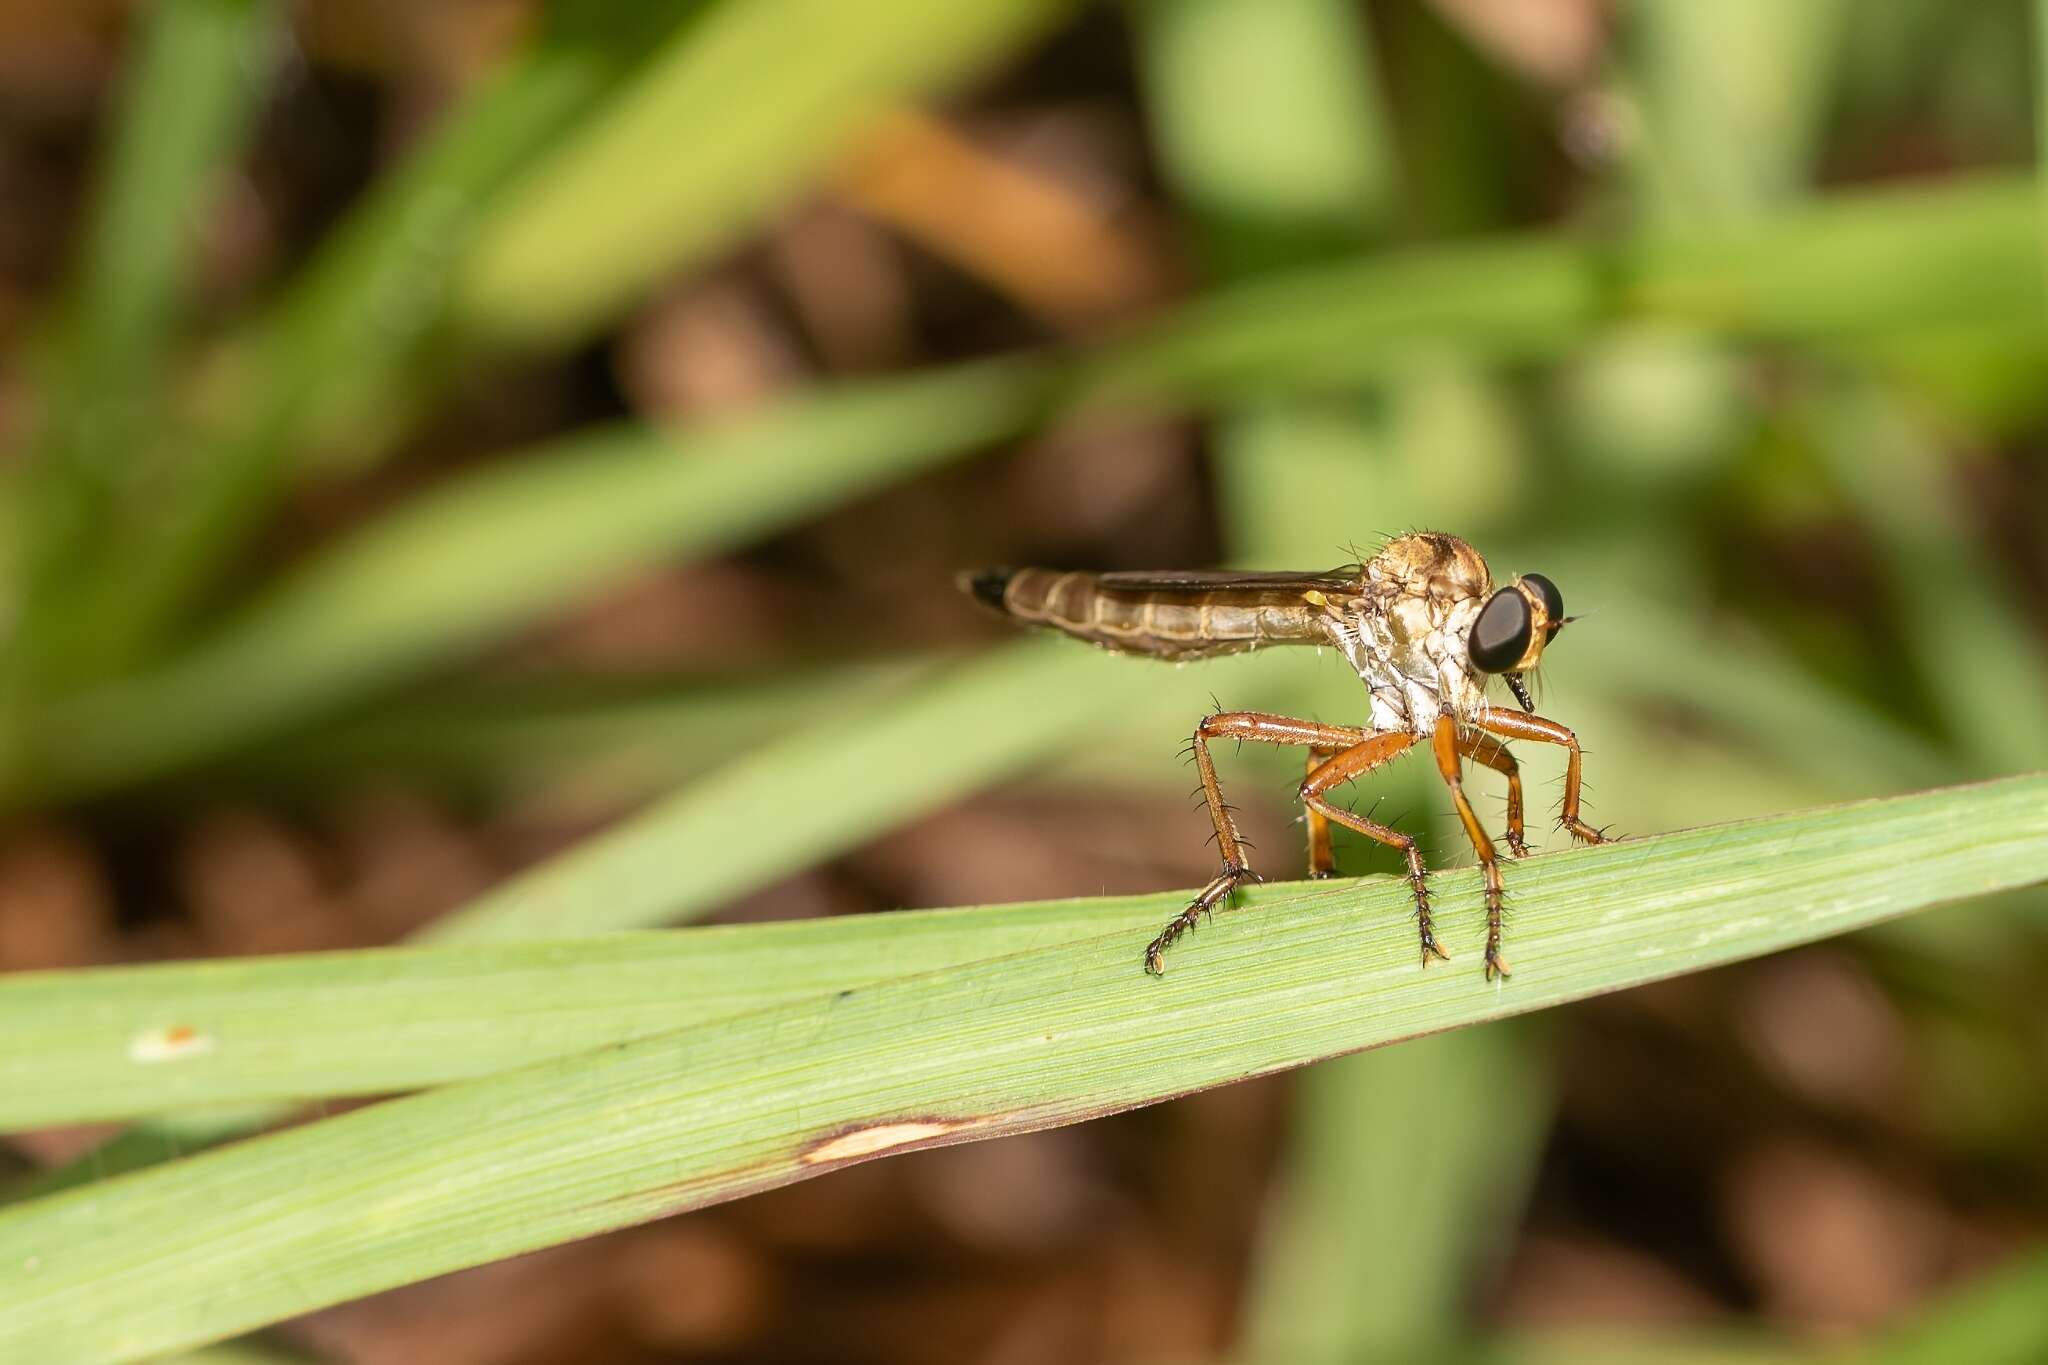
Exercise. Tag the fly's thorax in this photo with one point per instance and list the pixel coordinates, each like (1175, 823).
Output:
(1430, 564)
(1410, 649)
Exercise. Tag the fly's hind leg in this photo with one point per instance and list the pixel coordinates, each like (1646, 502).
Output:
(1266, 729)
(1356, 762)
(1447, 750)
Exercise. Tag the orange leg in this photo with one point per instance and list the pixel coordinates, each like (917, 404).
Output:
(1446, 747)
(1322, 859)
(1266, 729)
(1515, 725)
(1356, 762)
(1486, 750)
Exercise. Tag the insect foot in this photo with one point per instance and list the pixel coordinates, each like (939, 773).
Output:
(1220, 888)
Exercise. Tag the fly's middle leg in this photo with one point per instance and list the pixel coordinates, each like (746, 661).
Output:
(1491, 753)
(1322, 858)
(1356, 762)
(1266, 729)
(1447, 750)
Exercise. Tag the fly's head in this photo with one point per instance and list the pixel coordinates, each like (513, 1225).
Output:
(1512, 630)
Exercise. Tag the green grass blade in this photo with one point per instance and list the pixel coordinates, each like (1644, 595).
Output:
(192, 1252)
(606, 739)
(186, 105)
(1994, 1321)
(753, 100)
(448, 573)
(1969, 636)
(493, 552)
(1269, 123)
(1854, 268)
(196, 83)
(336, 352)
(244, 1353)
(1738, 98)
(292, 1028)
(824, 788)
(1382, 1222)
(1698, 1344)
(166, 1137)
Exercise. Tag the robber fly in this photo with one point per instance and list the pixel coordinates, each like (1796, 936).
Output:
(1426, 631)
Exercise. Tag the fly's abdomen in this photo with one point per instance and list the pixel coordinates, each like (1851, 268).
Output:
(1164, 620)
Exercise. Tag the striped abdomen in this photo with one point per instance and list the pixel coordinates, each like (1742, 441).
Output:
(1165, 616)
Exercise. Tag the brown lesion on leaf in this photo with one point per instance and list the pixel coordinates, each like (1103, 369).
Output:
(854, 1141)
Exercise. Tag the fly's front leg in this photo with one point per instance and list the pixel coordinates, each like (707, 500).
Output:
(1486, 750)
(1446, 747)
(1322, 858)
(1356, 762)
(1266, 729)
(1514, 725)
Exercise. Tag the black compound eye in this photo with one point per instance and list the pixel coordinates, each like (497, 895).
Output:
(1553, 600)
(1500, 637)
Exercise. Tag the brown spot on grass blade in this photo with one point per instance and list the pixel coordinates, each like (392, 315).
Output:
(848, 1144)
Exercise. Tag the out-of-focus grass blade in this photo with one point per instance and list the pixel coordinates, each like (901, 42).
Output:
(1748, 688)
(243, 1353)
(1855, 269)
(1979, 655)
(604, 739)
(186, 105)
(1409, 1168)
(815, 792)
(331, 359)
(2040, 32)
(755, 99)
(1737, 97)
(1268, 122)
(189, 1253)
(449, 572)
(197, 78)
(1696, 1345)
(491, 552)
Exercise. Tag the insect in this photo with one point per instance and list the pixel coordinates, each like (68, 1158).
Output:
(1426, 630)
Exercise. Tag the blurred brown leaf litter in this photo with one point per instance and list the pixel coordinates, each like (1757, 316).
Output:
(1821, 1143)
